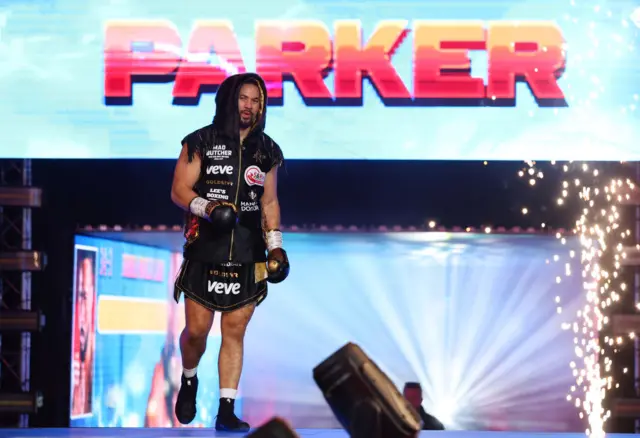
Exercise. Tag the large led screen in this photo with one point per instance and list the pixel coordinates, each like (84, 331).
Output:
(458, 80)
(125, 352)
(477, 319)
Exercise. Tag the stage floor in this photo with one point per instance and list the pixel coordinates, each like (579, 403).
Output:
(209, 433)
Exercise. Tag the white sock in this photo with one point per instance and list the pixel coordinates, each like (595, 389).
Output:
(228, 393)
(190, 373)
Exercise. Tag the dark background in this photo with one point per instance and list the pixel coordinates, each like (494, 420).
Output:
(312, 193)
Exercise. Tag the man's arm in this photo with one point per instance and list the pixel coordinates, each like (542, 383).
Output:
(269, 201)
(185, 176)
(277, 260)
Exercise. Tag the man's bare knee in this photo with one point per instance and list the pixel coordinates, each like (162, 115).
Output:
(196, 333)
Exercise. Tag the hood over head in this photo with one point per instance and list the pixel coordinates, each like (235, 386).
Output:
(227, 117)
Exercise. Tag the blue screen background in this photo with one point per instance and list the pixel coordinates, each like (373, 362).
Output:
(473, 317)
(51, 70)
(125, 361)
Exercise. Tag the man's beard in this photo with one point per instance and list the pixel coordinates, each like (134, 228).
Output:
(247, 124)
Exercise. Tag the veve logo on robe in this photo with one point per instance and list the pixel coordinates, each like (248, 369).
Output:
(220, 170)
(223, 288)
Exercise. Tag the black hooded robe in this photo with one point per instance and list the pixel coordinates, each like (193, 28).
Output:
(231, 172)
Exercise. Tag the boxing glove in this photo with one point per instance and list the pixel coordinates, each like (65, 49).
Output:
(277, 260)
(222, 215)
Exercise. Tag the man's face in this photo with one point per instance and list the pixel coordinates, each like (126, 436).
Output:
(413, 396)
(248, 105)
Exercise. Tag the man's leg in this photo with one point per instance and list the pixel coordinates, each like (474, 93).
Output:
(193, 339)
(193, 343)
(233, 326)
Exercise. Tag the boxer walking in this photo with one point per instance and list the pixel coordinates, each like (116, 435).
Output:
(226, 181)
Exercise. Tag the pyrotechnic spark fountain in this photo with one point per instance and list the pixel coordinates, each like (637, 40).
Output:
(598, 192)
(602, 240)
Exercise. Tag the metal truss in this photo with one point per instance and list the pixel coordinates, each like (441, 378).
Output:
(15, 284)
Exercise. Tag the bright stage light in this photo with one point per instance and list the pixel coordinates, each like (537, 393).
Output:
(471, 317)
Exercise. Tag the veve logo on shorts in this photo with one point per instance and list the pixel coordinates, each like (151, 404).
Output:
(254, 176)
(220, 170)
(223, 288)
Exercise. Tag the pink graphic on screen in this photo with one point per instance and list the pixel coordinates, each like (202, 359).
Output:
(83, 347)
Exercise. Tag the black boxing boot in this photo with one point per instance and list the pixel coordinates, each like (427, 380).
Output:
(227, 420)
(186, 403)
(277, 260)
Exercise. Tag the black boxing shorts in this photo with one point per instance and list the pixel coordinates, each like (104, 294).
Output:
(222, 287)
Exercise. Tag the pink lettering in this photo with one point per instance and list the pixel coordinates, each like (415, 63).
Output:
(143, 268)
